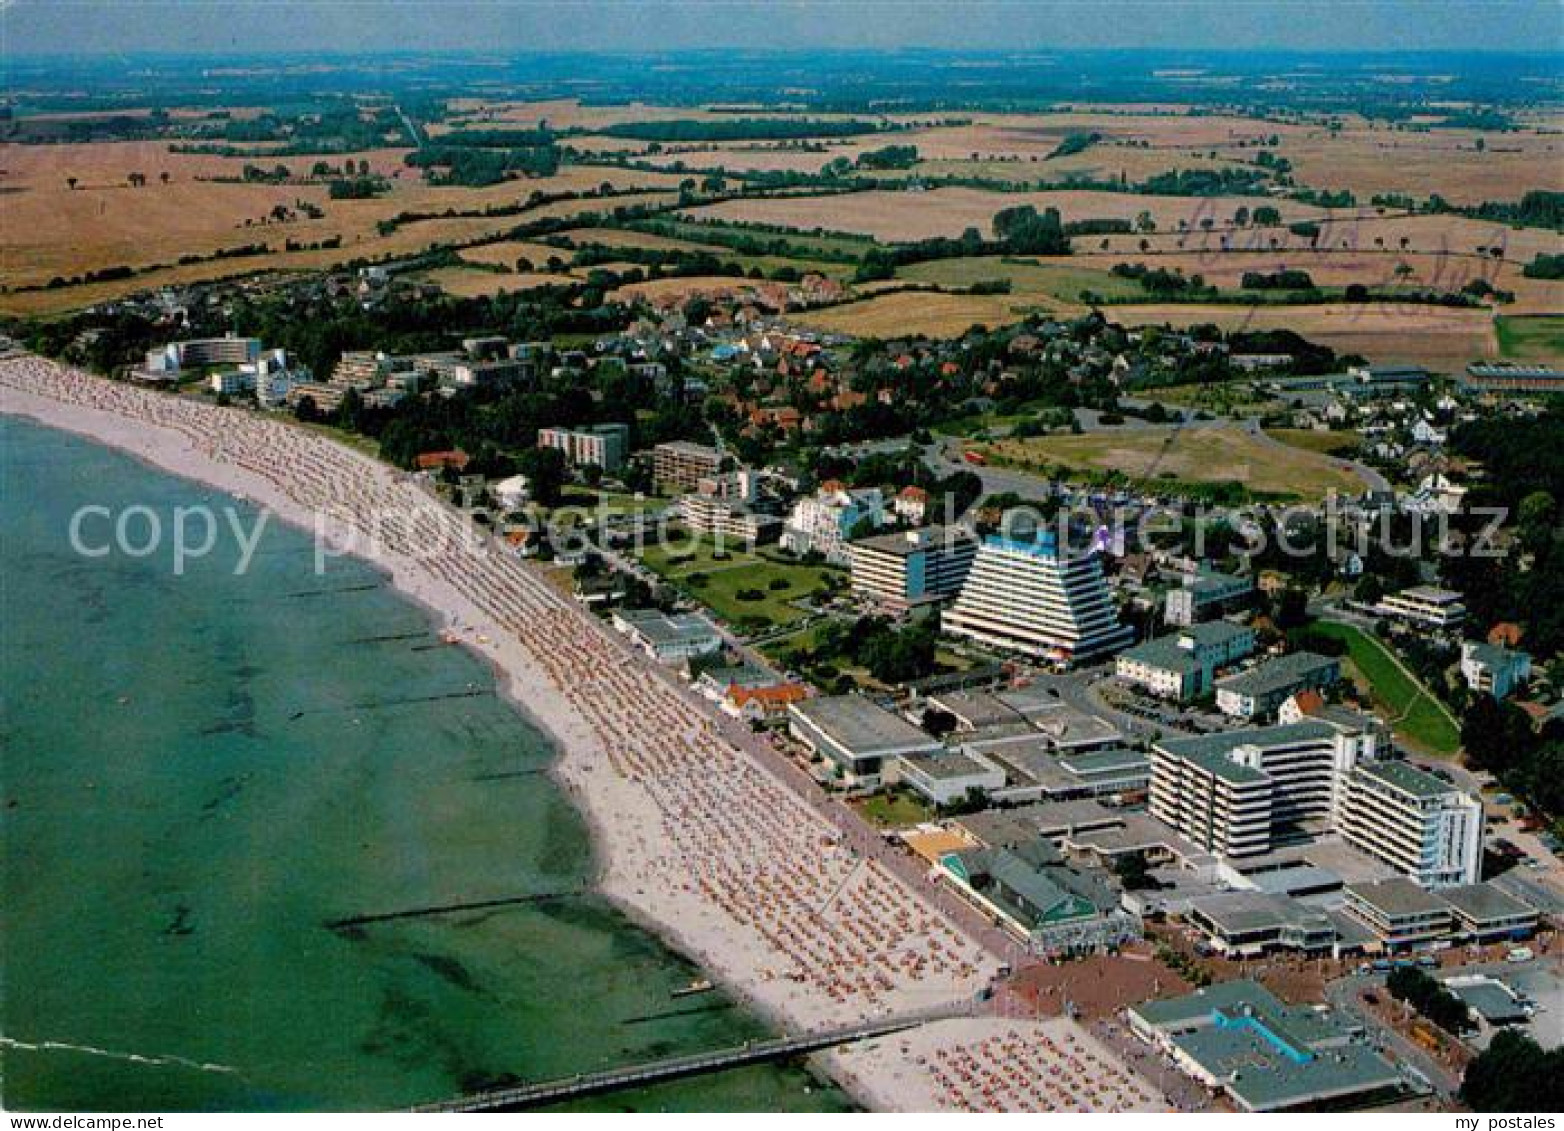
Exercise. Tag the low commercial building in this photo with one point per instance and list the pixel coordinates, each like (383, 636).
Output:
(1206, 596)
(669, 638)
(1423, 826)
(1425, 606)
(1030, 891)
(1399, 913)
(857, 736)
(1240, 1038)
(911, 567)
(1245, 924)
(1484, 913)
(1257, 693)
(1183, 666)
(946, 777)
(602, 445)
(1492, 669)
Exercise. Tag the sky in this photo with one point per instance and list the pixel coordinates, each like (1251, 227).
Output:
(115, 27)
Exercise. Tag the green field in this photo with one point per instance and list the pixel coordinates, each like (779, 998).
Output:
(1034, 279)
(1532, 338)
(799, 244)
(716, 580)
(1325, 443)
(1413, 712)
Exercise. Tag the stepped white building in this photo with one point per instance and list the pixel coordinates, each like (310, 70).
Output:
(1025, 596)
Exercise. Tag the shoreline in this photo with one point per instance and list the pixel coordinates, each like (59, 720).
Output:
(787, 967)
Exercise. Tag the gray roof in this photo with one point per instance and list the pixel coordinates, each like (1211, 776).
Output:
(1397, 897)
(1224, 742)
(905, 543)
(1268, 1055)
(1407, 779)
(1279, 674)
(663, 628)
(1484, 903)
(946, 764)
(1243, 912)
(863, 726)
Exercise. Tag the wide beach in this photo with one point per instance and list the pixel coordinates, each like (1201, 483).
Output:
(696, 836)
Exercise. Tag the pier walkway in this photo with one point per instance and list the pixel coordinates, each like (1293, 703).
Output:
(697, 1064)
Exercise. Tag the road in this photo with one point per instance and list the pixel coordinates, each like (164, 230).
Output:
(1342, 995)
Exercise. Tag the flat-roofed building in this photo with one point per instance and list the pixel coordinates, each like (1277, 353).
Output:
(1205, 596)
(669, 637)
(1424, 827)
(856, 735)
(722, 507)
(1245, 924)
(1266, 1055)
(1241, 793)
(909, 567)
(166, 362)
(1027, 597)
(1205, 796)
(1425, 606)
(946, 777)
(1258, 692)
(1484, 913)
(1182, 666)
(1399, 913)
(1492, 669)
(679, 465)
(602, 445)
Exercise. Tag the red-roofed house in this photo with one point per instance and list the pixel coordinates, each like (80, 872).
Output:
(456, 460)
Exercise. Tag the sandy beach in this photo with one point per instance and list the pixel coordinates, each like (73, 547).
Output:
(696, 836)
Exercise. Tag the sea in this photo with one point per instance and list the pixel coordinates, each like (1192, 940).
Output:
(204, 773)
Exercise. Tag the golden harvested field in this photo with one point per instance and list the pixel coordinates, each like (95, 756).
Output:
(619, 237)
(912, 312)
(483, 284)
(506, 252)
(1196, 453)
(684, 287)
(49, 229)
(1444, 339)
(906, 216)
(1341, 268)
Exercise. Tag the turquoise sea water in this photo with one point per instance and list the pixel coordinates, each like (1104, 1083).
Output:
(198, 773)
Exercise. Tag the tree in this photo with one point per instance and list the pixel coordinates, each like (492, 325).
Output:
(1514, 1074)
(1497, 736)
(1134, 873)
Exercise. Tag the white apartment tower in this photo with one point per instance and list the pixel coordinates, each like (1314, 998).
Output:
(1424, 827)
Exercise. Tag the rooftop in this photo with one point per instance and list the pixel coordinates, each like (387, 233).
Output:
(657, 627)
(1484, 903)
(946, 764)
(1223, 743)
(905, 543)
(1407, 779)
(863, 726)
(1397, 897)
(1279, 674)
(1268, 1055)
(1249, 912)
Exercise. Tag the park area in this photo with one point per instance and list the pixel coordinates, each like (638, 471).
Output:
(1189, 455)
(751, 590)
(1416, 716)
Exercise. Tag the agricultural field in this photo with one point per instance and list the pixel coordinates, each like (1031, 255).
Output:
(898, 216)
(467, 283)
(1202, 453)
(1058, 280)
(932, 314)
(1531, 339)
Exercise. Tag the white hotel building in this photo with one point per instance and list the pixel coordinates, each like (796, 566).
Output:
(1424, 827)
(1024, 596)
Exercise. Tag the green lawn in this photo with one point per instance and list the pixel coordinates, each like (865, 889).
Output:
(716, 581)
(895, 810)
(1413, 713)
(1538, 337)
